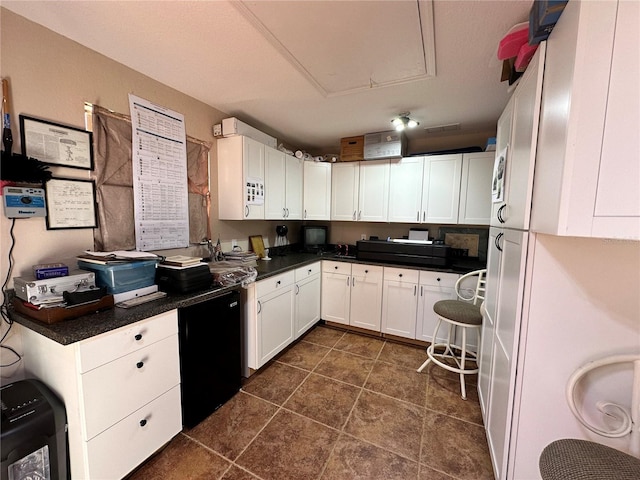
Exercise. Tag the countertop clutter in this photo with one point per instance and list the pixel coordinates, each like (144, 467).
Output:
(75, 330)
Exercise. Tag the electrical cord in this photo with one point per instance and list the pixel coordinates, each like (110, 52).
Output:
(4, 309)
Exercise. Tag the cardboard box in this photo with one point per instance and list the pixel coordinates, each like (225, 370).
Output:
(352, 149)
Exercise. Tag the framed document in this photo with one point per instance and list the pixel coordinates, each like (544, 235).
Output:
(71, 203)
(257, 245)
(56, 144)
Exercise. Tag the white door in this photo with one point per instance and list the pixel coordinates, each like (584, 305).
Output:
(373, 193)
(475, 188)
(253, 159)
(275, 323)
(366, 297)
(345, 177)
(400, 302)
(434, 286)
(317, 191)
(336, 297)
(405, 190)
(307, 311)
(293, 190)
(441, 188)
(274, 184)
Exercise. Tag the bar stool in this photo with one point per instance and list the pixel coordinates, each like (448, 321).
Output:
(460, 316)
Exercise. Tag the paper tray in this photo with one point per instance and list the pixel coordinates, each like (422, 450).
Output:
(58, 314)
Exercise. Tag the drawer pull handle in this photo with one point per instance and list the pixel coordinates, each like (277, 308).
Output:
(309, 270)
(138, 337)
(278, 283)
(143, 422)
(400, 275)
(139, 364)
(438, 279)
(335, 267)
(366, 271)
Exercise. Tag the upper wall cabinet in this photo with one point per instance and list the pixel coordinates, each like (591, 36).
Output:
(241, 178)
(405, 190)
(587, 163)
(360, 191)
(441, 188)
(283, 186)
(317, 191)
(517, 136)
(475, 188)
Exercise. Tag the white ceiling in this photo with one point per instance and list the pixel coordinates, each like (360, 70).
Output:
(308, 72)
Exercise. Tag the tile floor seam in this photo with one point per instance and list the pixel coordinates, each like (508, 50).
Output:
(454, 417)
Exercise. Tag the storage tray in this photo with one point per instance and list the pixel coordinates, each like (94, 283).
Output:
(58, 314)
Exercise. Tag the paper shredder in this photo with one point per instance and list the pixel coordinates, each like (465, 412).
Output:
(33, 441)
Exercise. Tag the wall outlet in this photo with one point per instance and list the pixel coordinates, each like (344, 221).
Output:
(234, 243)
(363, 236)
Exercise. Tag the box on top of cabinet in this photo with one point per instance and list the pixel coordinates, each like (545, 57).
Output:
(352, 149)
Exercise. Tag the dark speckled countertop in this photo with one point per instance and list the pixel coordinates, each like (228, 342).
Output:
(75, 330)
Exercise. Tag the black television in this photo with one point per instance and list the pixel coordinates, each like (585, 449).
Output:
(314, 238)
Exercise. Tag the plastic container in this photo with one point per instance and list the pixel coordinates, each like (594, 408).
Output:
(122, 277)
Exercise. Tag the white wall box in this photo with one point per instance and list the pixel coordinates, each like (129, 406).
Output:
(588, 158)
(307, 297)
(121, 384)
(317, 191)
(283, 186)
(236, 200)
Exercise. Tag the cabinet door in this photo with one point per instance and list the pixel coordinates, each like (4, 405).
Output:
(503, 154)
(336, 297)
(441, 188)
(475, 188)
(366, 297)
(253, 163)
(434, 286)
(274, 184)
(405, 190)
(373, 192)
(307, 298)
(275, 323)
(317, 191)
(400, 302)
(293, 190)
(499, 415)
(345, 178)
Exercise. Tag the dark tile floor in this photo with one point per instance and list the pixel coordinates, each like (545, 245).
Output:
(336, 405)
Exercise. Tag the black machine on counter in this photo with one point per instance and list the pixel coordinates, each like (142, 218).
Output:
(405, 253)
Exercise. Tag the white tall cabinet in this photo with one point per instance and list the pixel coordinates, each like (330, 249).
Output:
(240, 178)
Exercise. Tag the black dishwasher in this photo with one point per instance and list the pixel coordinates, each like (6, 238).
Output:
(210, 349)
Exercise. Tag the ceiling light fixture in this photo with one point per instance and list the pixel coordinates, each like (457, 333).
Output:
(403, 121)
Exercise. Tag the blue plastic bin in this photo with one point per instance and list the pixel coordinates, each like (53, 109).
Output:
(122, 277)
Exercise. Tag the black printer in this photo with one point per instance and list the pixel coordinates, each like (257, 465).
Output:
(404, 253)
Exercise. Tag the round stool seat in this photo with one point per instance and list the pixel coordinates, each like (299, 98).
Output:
(460, 312)
(571, 459)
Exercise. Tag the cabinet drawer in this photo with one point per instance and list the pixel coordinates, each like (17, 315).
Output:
(117, 388)
(104, 348)
(120, 449)
(336, 267)
(438, 279)
(401, 275)
(270, 285)
(307, 271)
(371, 272)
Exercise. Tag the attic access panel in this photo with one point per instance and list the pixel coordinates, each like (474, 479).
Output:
(348, 46)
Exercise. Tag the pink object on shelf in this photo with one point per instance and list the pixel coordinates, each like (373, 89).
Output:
(511, 43)
(524, 57)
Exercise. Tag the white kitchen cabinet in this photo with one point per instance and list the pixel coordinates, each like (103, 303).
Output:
(441, 189)
(274, 316)
(316, 191)
(336, 291)
(400, 301)
(345, 180)
(352, 294)
(283, 186)
(360, 191)
(241, 177)
(122, 384)
(366, 297)
(434, 286)
(588, 157)
(405, 190)
(475, 188)
(307, 297)
(373, 191)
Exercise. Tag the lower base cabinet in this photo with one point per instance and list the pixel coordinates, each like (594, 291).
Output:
(307, 298)
(123, 384)
(400, 302)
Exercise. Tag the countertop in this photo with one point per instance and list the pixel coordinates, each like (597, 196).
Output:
(75, 330)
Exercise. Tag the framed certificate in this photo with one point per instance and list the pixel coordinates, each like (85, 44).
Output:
(71, 203)
(56, 144)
